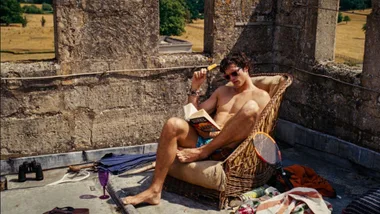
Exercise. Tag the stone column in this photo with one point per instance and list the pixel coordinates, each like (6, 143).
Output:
(100, 35)
(371, 67)
(326, 30)
(234, 26)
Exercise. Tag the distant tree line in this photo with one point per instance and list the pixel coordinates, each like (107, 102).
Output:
(174, 14)
(33, 9)
(36, 1)
(355, 4)
(10, 12)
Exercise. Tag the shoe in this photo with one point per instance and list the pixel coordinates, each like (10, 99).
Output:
(68, 210)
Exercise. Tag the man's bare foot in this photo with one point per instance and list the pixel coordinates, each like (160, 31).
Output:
(190, 155)
(148, 196)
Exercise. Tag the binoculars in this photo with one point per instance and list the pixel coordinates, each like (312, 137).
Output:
(27, 167)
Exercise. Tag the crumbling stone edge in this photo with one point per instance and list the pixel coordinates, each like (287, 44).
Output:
(330, 148)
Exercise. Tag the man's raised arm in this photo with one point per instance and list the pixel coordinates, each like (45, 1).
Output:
(199, 77)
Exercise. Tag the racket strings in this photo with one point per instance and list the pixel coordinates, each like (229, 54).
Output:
(72, 177)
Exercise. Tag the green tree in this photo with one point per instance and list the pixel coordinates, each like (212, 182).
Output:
(340, 17)
(354, 4)
(47, 7)
(364, 28)
(10, 12)
(346, 19)
(172, 17)
(32, 9)
(196, 8)
(24, 22)
(40, 1)
(43, 21)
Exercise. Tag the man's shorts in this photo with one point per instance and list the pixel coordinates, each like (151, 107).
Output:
(218, 155)
(203, 141)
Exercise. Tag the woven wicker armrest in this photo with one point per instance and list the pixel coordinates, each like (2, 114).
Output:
(243, 167)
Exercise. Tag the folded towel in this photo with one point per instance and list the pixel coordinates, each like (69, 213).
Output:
(302, 176)
(298, 200)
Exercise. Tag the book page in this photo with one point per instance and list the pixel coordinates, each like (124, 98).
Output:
(189, 109)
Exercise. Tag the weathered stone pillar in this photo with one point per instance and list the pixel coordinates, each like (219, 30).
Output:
(234, 26)
(105, 34)
(371, 67)
(326, 30)
(304, 32)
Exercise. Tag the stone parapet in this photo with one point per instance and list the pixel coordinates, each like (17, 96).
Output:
(371, 66)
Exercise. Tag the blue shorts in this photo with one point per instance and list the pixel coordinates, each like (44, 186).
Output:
(202, 141)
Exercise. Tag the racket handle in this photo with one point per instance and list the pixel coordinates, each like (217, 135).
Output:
(286, 179)
(78, 168)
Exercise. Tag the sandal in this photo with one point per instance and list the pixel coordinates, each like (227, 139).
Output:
(68, 210)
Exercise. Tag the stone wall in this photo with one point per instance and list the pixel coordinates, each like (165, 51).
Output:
(324, 97)
(332, 106)
(89, 112)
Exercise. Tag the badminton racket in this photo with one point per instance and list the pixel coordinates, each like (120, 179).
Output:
(72, 177)
(268, 151)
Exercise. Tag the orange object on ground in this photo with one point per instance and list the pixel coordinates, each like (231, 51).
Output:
(302, 176)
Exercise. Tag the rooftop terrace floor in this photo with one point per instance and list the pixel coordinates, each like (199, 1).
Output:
(34, 197)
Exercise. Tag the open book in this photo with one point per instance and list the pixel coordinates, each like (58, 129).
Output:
(200, 120)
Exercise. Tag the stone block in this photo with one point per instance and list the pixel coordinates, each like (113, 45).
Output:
(376, 161)
(44, 102)
(83, 128)
(349, 151)
(285, 131)
(332, 145)
(76, 98)
(151, 147)
(367, 158)
(125, 127)
(9, 105)
(36, 135)
(302, 136)
(101, 30)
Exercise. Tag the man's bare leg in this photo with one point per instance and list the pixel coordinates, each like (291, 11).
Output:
(176, 132)
(233, 133)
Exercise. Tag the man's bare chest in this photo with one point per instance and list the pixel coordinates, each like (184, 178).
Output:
(232, 104)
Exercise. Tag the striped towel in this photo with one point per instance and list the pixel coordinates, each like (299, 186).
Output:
(369, 203)
(298, 200)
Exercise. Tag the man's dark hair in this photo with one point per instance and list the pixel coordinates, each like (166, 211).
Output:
(239, 59)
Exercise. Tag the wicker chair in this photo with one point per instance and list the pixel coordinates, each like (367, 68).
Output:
(243, 169)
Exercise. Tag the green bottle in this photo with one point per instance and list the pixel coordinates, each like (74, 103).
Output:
(255, 193)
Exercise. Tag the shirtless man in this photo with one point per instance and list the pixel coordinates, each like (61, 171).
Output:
(236, 109)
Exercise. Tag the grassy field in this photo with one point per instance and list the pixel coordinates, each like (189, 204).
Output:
(34, 38)
(31, 39)
(350, 38)
(194, 34)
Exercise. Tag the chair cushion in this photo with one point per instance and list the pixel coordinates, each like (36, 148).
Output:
(271, 84)
(208, 174)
